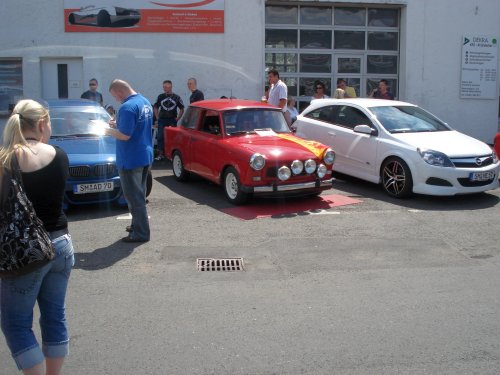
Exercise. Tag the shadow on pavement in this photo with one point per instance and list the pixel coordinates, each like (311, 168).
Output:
(104, 257)
(94, 211)
(356, 188)
(207, 193)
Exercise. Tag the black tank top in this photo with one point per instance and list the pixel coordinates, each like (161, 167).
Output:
(45, 188)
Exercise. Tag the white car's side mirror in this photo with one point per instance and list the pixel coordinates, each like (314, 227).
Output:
(364, 129)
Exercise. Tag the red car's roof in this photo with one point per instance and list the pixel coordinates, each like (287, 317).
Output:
(225, 104)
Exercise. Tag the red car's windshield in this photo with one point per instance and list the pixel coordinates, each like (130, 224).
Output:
(248, 120)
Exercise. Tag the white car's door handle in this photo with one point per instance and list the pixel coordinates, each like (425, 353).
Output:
(332, 133)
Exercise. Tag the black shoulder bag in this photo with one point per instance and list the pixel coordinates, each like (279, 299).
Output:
(24, 243)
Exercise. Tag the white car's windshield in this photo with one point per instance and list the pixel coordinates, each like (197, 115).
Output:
(73, 121)
(408, 119)
(250, 120)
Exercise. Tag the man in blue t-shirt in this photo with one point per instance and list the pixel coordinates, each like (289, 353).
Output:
(134, 154)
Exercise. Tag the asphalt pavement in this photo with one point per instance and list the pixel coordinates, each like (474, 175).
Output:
(385, 286)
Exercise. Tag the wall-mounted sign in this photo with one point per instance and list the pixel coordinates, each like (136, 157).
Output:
(181, 16)
(479, 67)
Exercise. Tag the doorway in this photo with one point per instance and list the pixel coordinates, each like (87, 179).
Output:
(62, 78)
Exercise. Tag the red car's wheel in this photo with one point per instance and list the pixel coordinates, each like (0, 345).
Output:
(232, 187)
(178, 167)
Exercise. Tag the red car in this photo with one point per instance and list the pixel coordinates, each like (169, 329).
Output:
(247, 147)
(497, 144)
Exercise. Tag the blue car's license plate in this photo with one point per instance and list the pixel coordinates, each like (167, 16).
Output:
(97, 187)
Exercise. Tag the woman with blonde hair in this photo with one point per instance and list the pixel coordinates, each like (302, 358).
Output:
(44, 171)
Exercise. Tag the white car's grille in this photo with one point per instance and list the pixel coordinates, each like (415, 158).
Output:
(473, 162)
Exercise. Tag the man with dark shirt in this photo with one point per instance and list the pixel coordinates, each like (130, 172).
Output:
(93, 94)
(196, 95)
(383, 91)
(168, 110)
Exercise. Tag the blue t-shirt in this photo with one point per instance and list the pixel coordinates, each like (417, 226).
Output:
(135, 119)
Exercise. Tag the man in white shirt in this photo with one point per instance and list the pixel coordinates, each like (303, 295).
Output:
(278, 92)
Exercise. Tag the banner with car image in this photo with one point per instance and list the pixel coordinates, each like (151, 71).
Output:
(180, 16)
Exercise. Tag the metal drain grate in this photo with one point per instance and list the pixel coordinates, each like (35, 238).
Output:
(213, 264)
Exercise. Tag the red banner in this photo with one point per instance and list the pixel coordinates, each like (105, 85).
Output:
(157, 17)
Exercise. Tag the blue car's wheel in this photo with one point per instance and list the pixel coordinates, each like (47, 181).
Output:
(149, 184)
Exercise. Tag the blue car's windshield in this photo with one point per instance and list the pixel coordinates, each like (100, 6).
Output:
(249, 120)
(78, 121)
(408, 119)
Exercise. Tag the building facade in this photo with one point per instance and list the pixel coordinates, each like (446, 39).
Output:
(416, 45)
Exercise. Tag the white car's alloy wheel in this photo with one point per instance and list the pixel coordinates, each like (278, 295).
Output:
(396, 178)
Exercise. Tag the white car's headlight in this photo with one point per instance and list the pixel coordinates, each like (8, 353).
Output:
(310, 166)
(329, 156)
(435, 158)
(494, 157)
(284, 173)
(297, 167)
(321, 170)
(257, 162)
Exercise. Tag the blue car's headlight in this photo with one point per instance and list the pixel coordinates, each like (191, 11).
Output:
(435, 158)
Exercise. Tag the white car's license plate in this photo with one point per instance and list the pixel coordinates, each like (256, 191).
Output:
(97, 187)
(481, 176)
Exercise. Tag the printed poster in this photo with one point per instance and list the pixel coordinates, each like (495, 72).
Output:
(479, 67)
(167, 16)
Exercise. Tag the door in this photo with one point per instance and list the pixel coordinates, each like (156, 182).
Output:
(62, 78)
(350, 67)
(204, 146)
(357, 152)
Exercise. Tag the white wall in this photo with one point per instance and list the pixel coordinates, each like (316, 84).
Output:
(432, 48)
(233, 62)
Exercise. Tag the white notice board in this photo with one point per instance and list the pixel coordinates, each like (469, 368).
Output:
(479, 67)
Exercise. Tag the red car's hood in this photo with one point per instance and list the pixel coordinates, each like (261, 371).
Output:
(279, 146)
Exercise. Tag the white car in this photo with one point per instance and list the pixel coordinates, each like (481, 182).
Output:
(400, 145)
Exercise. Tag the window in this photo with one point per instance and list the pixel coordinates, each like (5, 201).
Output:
(350, 16)
(320, 41)
(383, 17)
(307, 87)
(282, 14)
(315, 63)
(350, 117)
(11, 84)
(326, 114)
(349, 40)
(324, 42)
(315, 16)
(190, 118)
(281, 38)
(383, 41)
(382, 64)
(317, 39)
(284, 62)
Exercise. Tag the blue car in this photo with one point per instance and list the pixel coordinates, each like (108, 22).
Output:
(78, 128)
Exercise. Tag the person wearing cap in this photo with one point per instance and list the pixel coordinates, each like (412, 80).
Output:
(110, 109)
